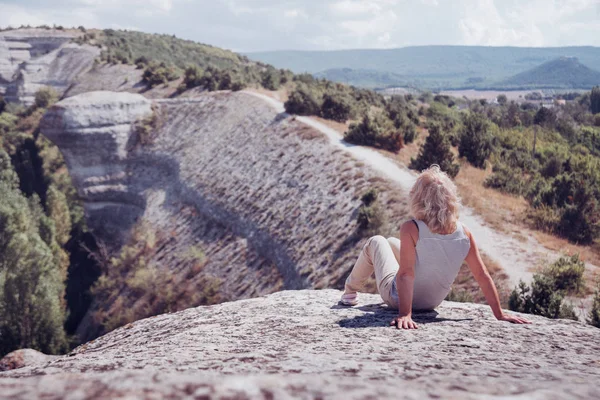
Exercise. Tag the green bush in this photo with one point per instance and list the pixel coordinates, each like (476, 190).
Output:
(45, 97)
(506, 179)
(302, 102)
(460, 296)
(540, 298)
(475, 139)
(376, 131)
(337, 107)
(594, 315)
(436, 150)
(567, 273)
(159, 73)
(371, 217)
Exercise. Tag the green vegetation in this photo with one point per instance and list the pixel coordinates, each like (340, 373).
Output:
(133, 286)
(595, 100)
(371, 217)
(375, 130)
(475, 139)
(40, 214)
(436, 150)
(594, 316)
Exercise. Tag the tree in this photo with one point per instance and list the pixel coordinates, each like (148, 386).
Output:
(2, 104)
(270, 79)
(502, 99)
(436, 150)
(475, 139)
(302, 102)
(31, 286)
(595, 100)
(545, 117)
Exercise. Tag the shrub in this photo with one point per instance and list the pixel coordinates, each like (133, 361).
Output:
(159, 73)
(506, 179)
(567, 273)
(502, 99)
(594, 315)
(377, 131)
(337, 107)
(144, 127)
(540, 299)
(371, 217)
(302, 102)
(45, 97)
(134, 286)
(475, 139)
(270, 79)
(436, 150)
(3, 104)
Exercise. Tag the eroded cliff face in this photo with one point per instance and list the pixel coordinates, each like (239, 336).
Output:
(33, 58)
(301, 344)
(268, 200)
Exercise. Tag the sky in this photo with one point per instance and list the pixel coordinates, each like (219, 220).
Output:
(263, 25)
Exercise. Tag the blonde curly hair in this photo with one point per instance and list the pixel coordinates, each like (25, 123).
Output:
(434, 200)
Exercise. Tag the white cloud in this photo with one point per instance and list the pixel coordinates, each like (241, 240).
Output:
(329, 24)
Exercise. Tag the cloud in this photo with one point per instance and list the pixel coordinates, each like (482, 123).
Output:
(246, 25)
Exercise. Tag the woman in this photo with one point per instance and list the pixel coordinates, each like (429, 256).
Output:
(416, 272)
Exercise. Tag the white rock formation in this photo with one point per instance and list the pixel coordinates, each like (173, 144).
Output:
(34, 58)
(301, 344)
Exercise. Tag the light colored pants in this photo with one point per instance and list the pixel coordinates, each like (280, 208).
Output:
(379, 255)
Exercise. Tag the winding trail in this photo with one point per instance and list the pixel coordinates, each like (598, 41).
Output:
(516, 256)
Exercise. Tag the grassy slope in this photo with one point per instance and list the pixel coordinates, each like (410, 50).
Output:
(431, 66)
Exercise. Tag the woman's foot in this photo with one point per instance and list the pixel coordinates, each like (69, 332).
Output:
(349, 299)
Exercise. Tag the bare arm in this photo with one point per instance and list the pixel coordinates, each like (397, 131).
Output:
(483, 278)
(405, 278)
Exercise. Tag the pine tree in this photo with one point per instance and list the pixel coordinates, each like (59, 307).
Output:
(436, 150)
(475, 139)
(595, 100)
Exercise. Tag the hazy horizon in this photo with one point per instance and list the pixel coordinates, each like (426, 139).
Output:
(267, 25)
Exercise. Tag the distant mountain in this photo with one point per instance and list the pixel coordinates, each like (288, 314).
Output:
(364, 77)
(430, 67)
(561, 73)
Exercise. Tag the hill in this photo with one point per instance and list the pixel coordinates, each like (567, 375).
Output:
(430, 67)
(301, 344)
(561, 73)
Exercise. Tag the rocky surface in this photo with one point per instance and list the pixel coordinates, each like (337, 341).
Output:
(303, 344)
(22, 358)
(264, 196)
(34, 58)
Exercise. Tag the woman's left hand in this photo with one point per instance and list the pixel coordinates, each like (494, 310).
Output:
(513, 319)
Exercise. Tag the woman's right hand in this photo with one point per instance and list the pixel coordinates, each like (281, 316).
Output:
(404, 322)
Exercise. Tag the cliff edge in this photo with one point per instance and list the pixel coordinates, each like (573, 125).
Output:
(302, 344)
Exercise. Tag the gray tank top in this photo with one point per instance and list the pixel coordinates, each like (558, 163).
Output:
(439, 258)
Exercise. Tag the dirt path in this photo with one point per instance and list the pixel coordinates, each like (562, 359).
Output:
(516, 256)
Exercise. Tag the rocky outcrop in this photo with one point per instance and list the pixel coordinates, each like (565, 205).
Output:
(22, 358)
(269, 201)
(301, 344)
(34, 58)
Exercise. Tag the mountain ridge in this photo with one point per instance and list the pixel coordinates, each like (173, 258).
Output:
(433, 67)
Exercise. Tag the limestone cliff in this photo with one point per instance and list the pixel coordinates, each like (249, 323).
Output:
(34, 58)
(268, 200)
(301, 344)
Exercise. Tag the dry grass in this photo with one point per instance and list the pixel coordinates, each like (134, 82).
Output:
(466, 282)
(497, 209)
